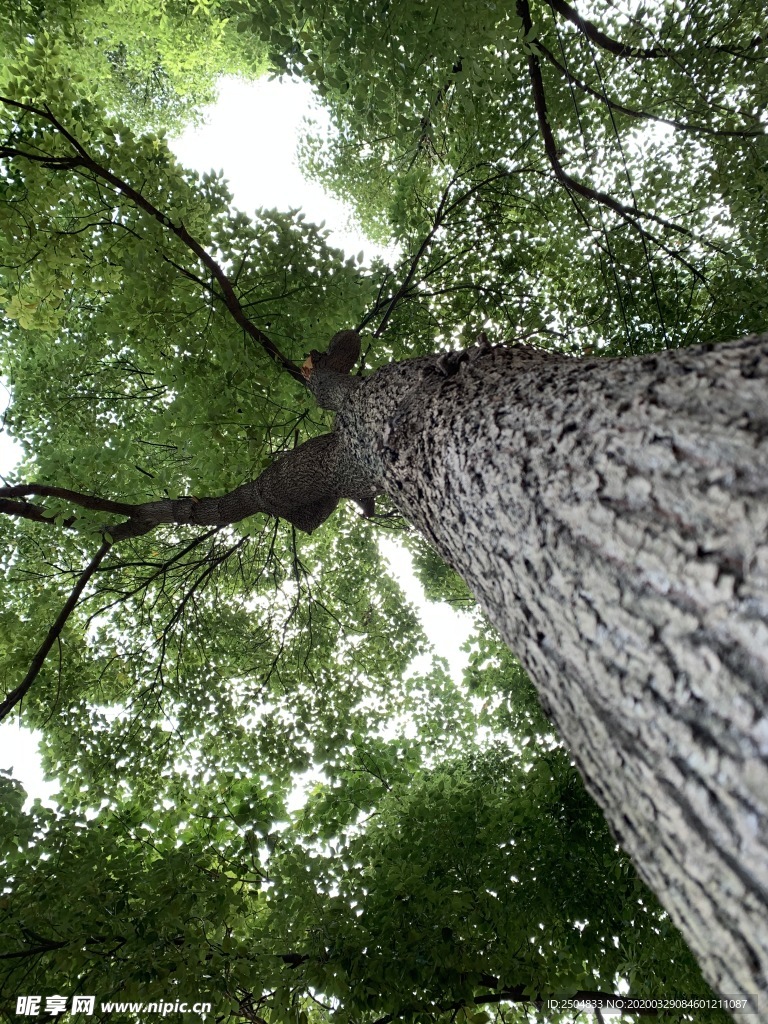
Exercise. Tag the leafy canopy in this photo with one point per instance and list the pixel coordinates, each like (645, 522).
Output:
(262, 800)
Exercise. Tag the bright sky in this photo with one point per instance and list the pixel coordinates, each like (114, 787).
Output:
(251, 134)
(10, 452)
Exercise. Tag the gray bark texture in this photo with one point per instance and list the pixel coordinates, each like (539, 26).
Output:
(611, 516)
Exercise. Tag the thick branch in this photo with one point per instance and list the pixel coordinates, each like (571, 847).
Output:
(84, 161)
(89, 501)
(304, 486)
(592, 32)
(24, 510)
(615, 46)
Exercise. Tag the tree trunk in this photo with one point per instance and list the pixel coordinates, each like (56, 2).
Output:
(611, 516)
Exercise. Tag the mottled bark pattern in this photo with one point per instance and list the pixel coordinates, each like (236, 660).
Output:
(303, 486)
(612, 518)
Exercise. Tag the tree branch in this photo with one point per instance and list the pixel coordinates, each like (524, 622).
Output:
(303, 486)
(442, 213)
(437, 220)
(34, 951)
(88, 501)
(619, 49)
(592, 32)
(83, 161)
(54, 632)
(697, 129)
(631, 214)
(25, 510)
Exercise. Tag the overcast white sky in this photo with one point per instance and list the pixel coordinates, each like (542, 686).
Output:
(251, 134)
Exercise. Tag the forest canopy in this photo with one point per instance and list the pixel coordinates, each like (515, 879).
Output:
(262, 802)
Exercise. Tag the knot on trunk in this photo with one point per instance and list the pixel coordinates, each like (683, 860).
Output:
(342, 354)
(327, 373)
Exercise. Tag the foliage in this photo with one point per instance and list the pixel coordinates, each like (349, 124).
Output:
(492, 872)
(155, 62)
(264, 798)
(422, 93)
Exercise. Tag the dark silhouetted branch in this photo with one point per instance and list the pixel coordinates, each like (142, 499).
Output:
(592, 32)
(54, 632)
(696, 129)
(84, 162)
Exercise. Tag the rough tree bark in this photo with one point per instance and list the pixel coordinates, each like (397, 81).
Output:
(611, 517)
